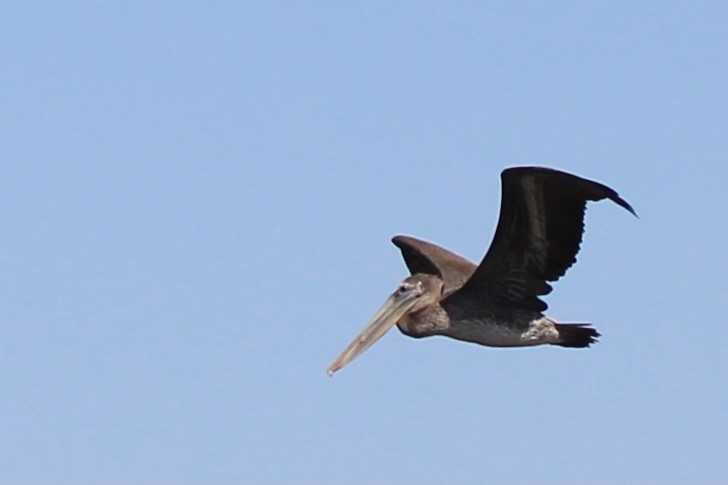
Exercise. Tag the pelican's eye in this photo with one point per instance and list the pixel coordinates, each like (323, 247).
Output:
(413, 287)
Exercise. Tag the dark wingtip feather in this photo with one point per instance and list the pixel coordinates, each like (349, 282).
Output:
(623, 203)
(599, 190)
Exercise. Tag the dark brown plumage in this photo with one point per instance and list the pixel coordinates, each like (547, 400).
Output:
(497, 303)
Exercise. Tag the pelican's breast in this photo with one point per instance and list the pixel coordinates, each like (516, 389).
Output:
(432, 320)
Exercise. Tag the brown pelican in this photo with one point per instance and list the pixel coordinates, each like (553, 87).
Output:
(497, 302)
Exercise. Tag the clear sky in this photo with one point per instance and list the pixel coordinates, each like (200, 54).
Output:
(196, 206)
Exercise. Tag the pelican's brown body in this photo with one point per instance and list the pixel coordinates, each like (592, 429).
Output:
(497, 302)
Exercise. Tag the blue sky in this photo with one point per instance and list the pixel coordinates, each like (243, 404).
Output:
(197, 201)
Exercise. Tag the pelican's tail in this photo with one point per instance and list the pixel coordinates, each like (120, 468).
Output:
(576, 335)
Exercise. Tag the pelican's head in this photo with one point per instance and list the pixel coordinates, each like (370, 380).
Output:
(415, 293)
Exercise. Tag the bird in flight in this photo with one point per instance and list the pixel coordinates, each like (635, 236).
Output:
(496, 303)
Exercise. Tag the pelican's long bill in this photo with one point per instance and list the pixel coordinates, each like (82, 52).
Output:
(393, 309)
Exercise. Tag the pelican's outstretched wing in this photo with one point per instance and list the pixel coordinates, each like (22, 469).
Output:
(538, 235)
(423, 257)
